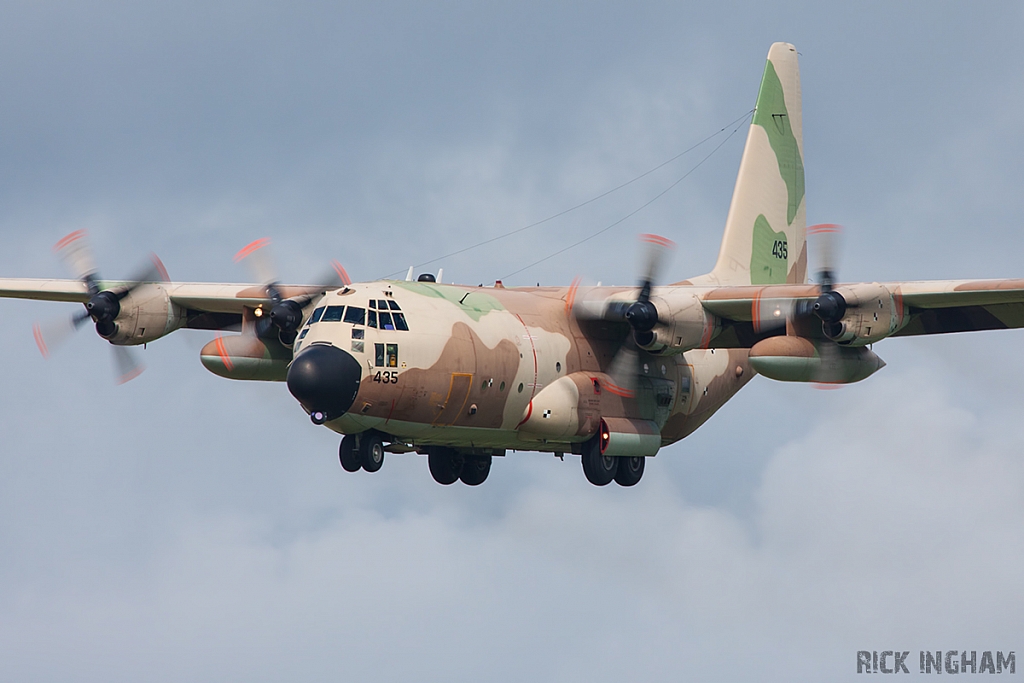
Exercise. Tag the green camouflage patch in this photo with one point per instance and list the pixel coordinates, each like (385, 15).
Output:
(475, 304)
(772, 115)
(769, 255)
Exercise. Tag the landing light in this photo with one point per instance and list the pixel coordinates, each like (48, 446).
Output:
(258, 313)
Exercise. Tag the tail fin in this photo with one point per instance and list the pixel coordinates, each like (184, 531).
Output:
(764, 241)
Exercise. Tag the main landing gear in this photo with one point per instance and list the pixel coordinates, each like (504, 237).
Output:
(447, 466)
(365, 451)
(601, 469)
(362, 451)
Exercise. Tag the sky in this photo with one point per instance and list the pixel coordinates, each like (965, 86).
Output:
(187, 527)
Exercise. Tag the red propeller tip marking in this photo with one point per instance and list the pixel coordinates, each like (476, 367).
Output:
(38, 334)
(130, 376)
(619, 391)
(570, 298)
(342, 273)
(251, 247)
(223, 353)
(160, 268)
(657, 239)
(68, 239)
(824, 227)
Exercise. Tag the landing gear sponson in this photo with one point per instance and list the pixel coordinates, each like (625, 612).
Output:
(365, 451)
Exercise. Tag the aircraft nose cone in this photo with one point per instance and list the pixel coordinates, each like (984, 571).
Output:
(324, 379)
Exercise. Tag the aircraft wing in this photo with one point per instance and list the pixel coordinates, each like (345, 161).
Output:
(929, 307)
(44, 290)
(207, 305)
(939, 307)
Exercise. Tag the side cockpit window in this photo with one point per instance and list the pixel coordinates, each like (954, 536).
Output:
(317, 313)
(386, 314)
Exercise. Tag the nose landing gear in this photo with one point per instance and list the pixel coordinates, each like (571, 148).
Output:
(362, 451)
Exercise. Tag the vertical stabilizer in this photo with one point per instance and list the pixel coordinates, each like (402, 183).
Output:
(764, 241)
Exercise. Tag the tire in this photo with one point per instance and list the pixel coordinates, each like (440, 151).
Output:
(348, 455)
(445, 465)
(475, 469)
(630, 470)
(599, 469)
(371, 451)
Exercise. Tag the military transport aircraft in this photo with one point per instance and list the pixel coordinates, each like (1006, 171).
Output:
(463, 373)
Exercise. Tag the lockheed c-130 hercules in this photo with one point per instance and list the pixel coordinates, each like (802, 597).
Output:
(613, 374)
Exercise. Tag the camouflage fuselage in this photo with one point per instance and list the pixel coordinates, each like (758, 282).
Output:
(471, 369)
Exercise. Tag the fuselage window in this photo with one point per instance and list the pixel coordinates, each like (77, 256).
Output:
(315, 318)
(378, 355)
(356, 315)
(394, 305)
(358, 333)
(371, 318)
(392, 355)
(385, 321)
(400, 321)
(332, 314)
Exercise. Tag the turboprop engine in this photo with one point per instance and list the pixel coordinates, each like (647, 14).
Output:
(144, 315)
(797, 359)
(858, 315)
(683, 324)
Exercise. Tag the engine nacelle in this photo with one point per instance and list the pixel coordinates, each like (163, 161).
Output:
(146, 315)
(683, 324)
(872, 314)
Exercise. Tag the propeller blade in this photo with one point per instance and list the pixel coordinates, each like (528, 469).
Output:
(654, 257)
(52, 334)
(257, 258)
(152, 273)
(623, 370)
(127, 366)
(829, 371)
(74, 250)
(824, 239)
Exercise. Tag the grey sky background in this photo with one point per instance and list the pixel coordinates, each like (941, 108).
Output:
(184, 527)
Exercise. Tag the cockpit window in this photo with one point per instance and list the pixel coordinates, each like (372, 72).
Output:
(356, 315)
(400, 321)
(385, 321)
(394, 305)
(371, 318)
(333, 314)
(315, 318)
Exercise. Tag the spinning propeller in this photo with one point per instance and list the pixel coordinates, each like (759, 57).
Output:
(829, 307)
(285, 314)
(103, 306)
(641, 315)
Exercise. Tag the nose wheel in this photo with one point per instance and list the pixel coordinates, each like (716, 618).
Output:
(361, 451)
